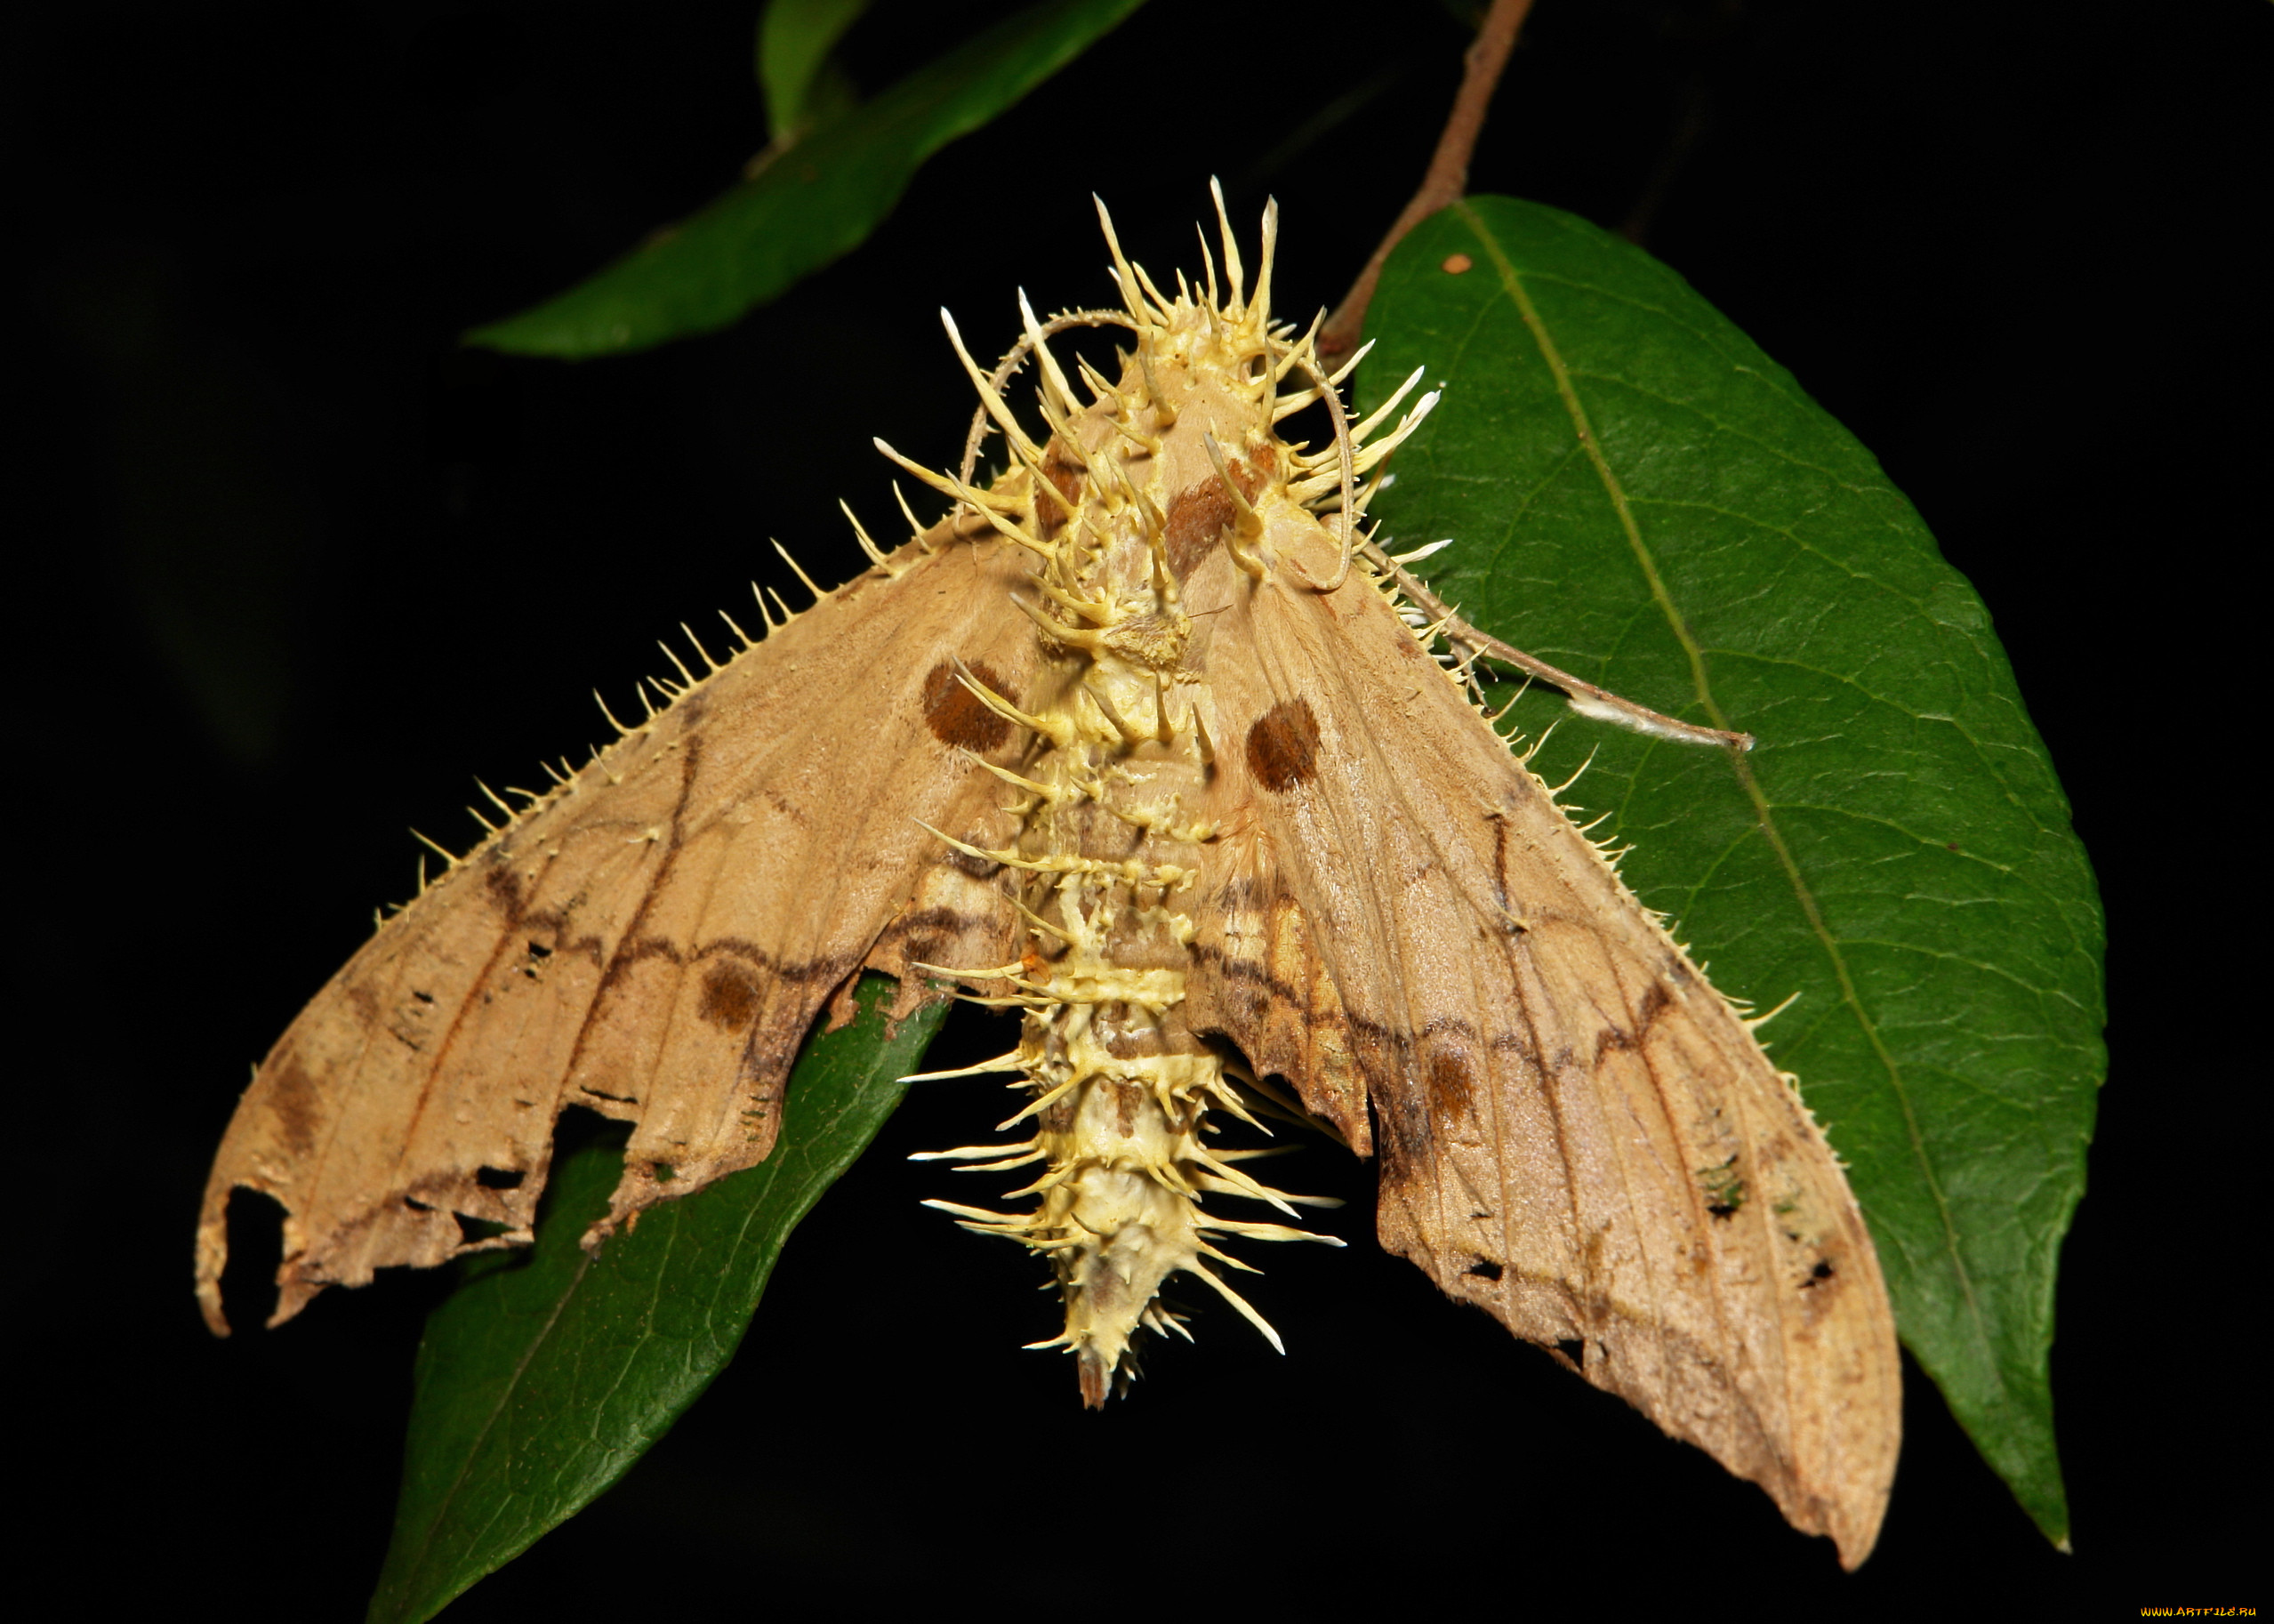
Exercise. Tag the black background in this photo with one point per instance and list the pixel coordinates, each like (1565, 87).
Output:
(294, 566)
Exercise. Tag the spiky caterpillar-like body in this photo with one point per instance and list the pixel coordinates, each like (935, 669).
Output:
(1124, 740)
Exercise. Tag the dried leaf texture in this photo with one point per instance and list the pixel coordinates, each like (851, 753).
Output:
(652, 940)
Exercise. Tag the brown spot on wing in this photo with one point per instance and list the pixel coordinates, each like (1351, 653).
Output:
(730, 996)
(1198, 514)
(297, 1107)
(957, 716)
(1453, 1083)
(1283, 746)
(503, 889)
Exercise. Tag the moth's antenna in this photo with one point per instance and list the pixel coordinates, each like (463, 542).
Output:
(1010, 364)
(1307, 359)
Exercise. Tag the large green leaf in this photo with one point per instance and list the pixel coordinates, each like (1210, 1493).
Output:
(819, 200)
(1640, 496)
(547, 1373)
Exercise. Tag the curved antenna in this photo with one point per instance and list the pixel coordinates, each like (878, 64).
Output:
(1309, 362)
(1012, 361)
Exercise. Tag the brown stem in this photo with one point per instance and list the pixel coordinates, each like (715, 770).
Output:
(1446, 177)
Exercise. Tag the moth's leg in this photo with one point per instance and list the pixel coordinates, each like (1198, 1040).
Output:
(1601, 704)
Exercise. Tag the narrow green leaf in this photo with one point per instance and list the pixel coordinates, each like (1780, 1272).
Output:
(1640, 496)
(794, 40)
(548, 1372)
(819, 200)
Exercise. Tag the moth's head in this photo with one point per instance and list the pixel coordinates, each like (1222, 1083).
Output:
(1175, 465)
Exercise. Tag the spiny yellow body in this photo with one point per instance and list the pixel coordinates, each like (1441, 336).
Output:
(1124, 735)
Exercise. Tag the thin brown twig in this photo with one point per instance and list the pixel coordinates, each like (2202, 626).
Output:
(1446, 177)
(1588, 700)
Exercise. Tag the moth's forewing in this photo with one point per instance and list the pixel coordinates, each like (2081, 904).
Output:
(653, 940)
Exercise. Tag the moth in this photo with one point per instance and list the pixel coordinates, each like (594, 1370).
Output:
(1158, 754)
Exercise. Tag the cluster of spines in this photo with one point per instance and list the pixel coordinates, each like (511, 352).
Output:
(1079, 611)
(1182, 1093)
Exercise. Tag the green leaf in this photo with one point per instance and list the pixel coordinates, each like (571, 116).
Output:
(794, 40)
(1638, 494)
(817, 201)
(548, 1372)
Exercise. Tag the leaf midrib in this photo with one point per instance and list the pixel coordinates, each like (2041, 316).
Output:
(1512, 284)
(489, 1422)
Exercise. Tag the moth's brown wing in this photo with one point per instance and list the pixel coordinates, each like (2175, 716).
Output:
(653, 941)
(1576, 1132)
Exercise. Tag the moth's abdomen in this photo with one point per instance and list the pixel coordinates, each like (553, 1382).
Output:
(1121, 1092)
